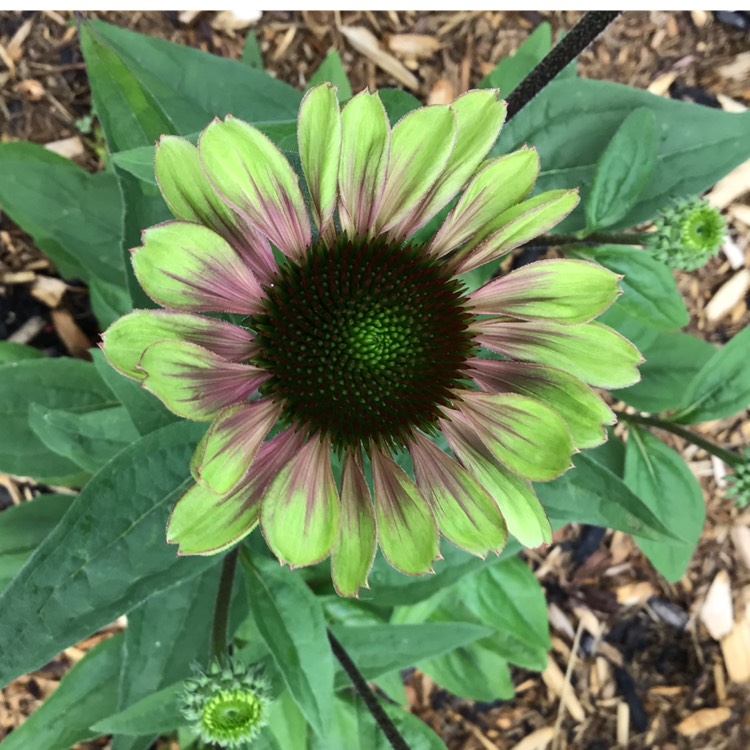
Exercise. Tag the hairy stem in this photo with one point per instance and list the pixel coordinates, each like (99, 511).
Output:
(726, 456)
(580, 36)
(363, 689)
(220, 632)
(597, 238)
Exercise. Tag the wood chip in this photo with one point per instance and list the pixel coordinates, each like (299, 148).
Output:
(623, 723)
(639, 593)
(442, 92)
(538, 740)
(661, 85)
(731, 105)
(30, 89)
(365, 42)
(731, 187)
(717, 612)
(740, 212)
(188, 16)
(703, 720)
(700, 18)
(49, 290)
(15, 45)
(735, 648)
(733, 253)
(284, 44)
(738, 69)
(19, 277)
(70, 148)
(729, 294)
(75, 340)
(412, 45)
(555, 681)
(740, 536)
(28, 331)
(230, 21)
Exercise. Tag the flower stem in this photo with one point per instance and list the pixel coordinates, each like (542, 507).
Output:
(220, 632)
(729, 458)
(363, 689)
(597, 238)
(580, 36)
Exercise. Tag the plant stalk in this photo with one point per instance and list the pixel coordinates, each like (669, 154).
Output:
(388, 728)
(220, 631)
(580, 36)
(729, 458)
(597, 238)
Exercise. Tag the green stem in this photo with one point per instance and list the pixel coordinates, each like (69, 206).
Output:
(729, 458)
(597, 238)
(220, 632)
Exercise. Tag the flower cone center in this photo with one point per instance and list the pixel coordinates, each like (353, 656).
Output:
(364, 341)
(232, 714)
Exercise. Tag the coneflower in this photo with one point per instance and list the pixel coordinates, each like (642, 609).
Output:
(358, 347)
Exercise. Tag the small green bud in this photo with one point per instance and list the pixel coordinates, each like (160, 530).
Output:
(688, 234)
(227, 703)
(739, 482)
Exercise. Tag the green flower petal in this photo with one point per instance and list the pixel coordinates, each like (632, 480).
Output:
(256, 179)
(465, 512)
(406, 527)
(583, 410)
(479, 119)
(523, 513)
(519, 225)
(421, 146)
(475, 216)
(125, 340)
(189, 267)
(204, 523)
(523, 434)
(365, 143)
(354, 552)
(233, 442)
(319, 135)
(300, 511)
(564, 291)
(195, 383)
(592, 352)
(191, 197)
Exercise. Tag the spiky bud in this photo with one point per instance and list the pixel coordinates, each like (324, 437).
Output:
(688, 234)
(227, 704)
(738, 483)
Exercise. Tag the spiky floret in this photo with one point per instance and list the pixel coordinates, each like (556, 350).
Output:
(688, 234)
(227, 704)
(365, 341)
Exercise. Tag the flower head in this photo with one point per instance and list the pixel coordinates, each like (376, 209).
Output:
(688, 234)
(228, 704)
(359, 348)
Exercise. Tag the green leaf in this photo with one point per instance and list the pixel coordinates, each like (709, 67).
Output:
(332, 69)
(86, 694)
(397, 103)
(74, 216)
(611, 454)
(416, 734)
(291, 621)
(722, 386)
(106, 556)
(146, 411)
(12, 352)
(664, 482)
(89, 438)
(571, 122)
(511, 70)
(379, 649)
(592, 494)
(287, 724)
(157, 713)
(165, 635)
(650, 293)
(22, 529)
(672, 361)
(129, 114)
(251, 54)
(623, 170)
(192, 87)
(474, 672)
(52, 384)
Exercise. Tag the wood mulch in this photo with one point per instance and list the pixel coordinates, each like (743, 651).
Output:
(636, 662)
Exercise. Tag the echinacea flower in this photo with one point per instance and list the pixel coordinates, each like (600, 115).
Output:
(356, 347)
